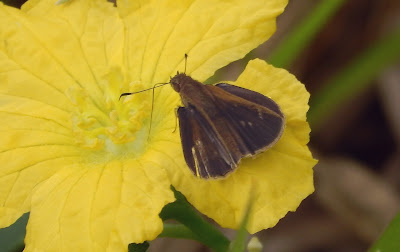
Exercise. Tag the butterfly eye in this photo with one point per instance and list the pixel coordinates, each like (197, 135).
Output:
(175, 85)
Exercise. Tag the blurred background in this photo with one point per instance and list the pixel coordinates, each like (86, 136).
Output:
(347, 53)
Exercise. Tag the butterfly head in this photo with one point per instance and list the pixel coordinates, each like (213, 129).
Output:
(179, 80)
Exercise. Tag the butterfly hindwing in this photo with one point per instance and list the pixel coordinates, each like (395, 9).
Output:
(251, 96)
(259, 123)
(258, 131)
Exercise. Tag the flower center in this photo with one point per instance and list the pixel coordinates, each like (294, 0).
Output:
(107, 125)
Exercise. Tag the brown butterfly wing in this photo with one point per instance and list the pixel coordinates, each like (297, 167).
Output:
(237, 123)
(259, 127)
(251, 96)
(204, 151)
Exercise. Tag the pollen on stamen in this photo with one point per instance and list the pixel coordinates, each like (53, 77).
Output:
(104, 123)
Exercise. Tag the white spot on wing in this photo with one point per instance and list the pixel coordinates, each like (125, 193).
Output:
(196, 161)
(203, 155)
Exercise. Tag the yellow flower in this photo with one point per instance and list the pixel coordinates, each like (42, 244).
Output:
(82, 162)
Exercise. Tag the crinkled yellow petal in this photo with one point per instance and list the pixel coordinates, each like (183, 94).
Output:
(100, 207)
(69, 47)
(29, 155)
(276, 180)
(33, 147)
(94, 28)
(213, 34)
(279, 85)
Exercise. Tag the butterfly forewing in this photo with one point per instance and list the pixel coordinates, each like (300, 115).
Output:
(204, 152)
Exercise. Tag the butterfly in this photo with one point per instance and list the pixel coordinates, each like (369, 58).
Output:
(222, 124)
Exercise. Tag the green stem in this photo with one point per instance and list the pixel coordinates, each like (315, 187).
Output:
(294, 43)
(239, 243)
(178, 231)
(202, 231)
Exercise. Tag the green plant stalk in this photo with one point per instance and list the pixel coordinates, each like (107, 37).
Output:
(181, 211)
(389, 241)
(179, 231)
(294, 43)
(239, 243)
(354, 78)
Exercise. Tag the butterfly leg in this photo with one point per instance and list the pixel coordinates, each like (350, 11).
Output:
(176, 119)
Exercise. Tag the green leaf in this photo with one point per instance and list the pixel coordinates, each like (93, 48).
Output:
(354, 78)
(201, 230)
(389, 241)
(240, 241)
(12, 237)
(294, 43)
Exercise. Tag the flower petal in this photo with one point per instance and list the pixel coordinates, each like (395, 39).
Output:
(94, 24)
(35, 143)
(276, 180)
(34, 146)
(98, 208)
(68, 46)
(35, 112)
(213, 33)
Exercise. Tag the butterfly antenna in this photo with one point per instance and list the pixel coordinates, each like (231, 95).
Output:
(160, 85)
(186, 56)
(152, 100)
(176, 119)
(152, 106)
